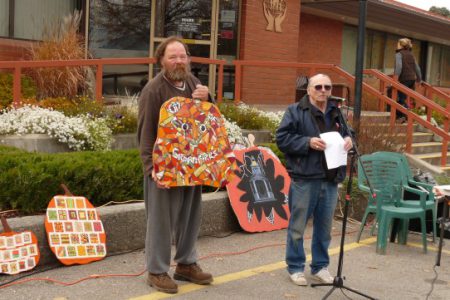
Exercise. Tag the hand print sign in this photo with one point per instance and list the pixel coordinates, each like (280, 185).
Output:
(192, 146)
(258, 194)
(275, 13)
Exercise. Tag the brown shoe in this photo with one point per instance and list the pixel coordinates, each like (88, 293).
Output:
(192, 273)
(162, 282)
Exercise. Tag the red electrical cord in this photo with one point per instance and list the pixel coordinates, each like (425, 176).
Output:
(94, 276)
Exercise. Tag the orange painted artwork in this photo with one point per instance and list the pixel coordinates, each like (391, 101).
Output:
(259, 192)
(74, 230)
(192, 146)
(19, 251)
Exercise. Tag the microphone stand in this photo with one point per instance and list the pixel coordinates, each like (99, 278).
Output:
(338, 281)
(444, 226)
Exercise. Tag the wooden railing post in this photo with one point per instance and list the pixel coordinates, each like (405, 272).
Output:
(17, 86)
(220, 83)
(99, 83)
(383, 92)
(444, 152)
(237, 81)
(409, 134)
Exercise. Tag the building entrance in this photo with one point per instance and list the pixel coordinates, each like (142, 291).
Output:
(134, 28)
(196, 23)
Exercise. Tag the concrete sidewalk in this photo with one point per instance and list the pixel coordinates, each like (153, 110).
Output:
(251, 266)
(125, 225)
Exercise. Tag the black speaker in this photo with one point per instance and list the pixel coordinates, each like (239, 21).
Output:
(414, 224)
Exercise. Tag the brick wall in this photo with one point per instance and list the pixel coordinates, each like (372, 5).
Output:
(320, 40)
(13, 49)
(268, 85)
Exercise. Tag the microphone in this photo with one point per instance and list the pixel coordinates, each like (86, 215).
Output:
(337, 99)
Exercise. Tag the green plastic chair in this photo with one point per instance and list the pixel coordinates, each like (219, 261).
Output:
(408, 179)
(383, 194)
(385, 174)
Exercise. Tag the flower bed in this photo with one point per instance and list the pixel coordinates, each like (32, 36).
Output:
(79, 133)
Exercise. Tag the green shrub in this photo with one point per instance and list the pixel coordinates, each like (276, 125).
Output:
(28, 181)
(276, 151)
(9, 150)
(247, 117)
(358, 200)
(122, 119)
(28, 89)
(79, 105)
(244, 119)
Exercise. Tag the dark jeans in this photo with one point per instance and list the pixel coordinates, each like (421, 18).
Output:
(402, 97)
(315, 198)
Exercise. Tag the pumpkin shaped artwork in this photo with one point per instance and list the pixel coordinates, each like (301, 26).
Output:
(74, 230)
(19, 251)
(259, 192)
(192, 146)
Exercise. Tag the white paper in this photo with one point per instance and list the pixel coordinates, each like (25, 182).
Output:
(335, 153)
(442, 190)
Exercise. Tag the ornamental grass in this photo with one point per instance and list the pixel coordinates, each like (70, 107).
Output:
(61, 41)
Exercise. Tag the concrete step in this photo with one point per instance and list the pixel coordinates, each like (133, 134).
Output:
(428, 147)
(375, 117)
(418, 137)
(446, 169)
(422, 137)
(432, 158)
(398, 128)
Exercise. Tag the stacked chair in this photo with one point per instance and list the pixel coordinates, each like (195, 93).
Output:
(390, 176)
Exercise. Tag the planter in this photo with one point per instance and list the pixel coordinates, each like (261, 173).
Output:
(261, 136)
(123, 141)
(34, 143)
(46, 144)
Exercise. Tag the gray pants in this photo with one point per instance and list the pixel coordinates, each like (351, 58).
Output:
(171, 212)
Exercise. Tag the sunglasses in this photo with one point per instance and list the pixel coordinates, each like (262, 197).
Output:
(319, 87)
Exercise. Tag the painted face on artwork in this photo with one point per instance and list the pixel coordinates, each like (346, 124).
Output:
(319, 89)
(175, 62)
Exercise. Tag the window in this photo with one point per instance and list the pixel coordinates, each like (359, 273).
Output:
(188, 19)
(30, 18)
(379, 50)
(438, 72)
(4, 18)
(120, 28)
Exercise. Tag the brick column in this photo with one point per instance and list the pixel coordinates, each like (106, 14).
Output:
(268, 85)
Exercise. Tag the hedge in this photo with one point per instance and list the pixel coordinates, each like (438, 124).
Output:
(28, 181)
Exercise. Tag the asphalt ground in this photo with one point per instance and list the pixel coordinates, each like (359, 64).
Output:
(251, 266)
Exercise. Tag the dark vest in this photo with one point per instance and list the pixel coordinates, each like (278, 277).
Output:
(408, 66)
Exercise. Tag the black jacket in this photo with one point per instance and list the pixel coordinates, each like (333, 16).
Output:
(293, 136)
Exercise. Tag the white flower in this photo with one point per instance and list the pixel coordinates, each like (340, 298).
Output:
(79, 133)
(274, 117)
(234, 133)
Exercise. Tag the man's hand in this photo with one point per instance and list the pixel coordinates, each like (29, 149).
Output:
(348, 143)
(201, 92)
(317, 144)
(161, 186)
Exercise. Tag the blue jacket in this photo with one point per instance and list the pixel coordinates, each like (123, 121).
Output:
(293, 136)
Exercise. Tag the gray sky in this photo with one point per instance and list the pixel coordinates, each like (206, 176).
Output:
(426, 4)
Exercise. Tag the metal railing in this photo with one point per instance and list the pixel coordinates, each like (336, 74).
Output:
(18, 66)
(311, 69)
(380, 95)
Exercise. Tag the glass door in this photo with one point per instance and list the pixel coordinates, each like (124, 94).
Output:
(196, 22)
(120, 29)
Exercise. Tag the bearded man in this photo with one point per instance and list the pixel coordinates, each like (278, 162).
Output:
(170, 212)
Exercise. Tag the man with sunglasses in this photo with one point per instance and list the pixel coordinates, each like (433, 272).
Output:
(313, 190)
